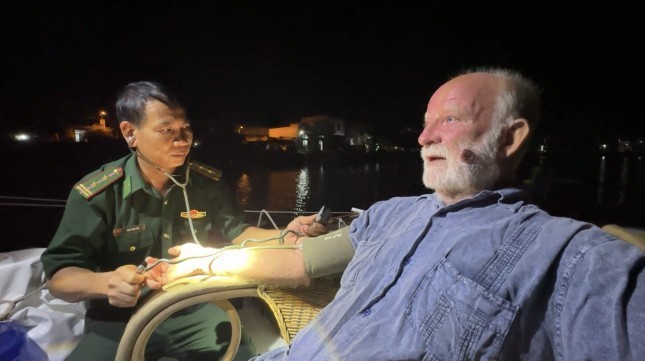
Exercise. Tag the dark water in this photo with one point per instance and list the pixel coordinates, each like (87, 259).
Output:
(338, 185)
(595, 188)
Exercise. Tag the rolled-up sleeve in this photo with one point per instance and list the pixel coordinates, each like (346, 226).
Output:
(78, 239)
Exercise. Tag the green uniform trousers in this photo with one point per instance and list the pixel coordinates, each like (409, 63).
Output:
(200, 332)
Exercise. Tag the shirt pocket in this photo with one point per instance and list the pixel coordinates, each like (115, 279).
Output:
(364, 255)
(135, 242)
(457, 318)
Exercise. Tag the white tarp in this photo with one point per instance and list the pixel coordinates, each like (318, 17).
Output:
(54, 326)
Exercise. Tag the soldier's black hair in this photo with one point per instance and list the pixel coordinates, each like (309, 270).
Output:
(132, 100)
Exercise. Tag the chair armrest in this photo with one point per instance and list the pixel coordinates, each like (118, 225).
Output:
(631, 235)
(176, 296)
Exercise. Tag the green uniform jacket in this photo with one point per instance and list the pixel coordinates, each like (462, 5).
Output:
(113, 218)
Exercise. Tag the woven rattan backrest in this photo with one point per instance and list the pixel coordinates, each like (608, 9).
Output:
(294, 308)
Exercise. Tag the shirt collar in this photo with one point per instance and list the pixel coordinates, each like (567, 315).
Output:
(134, 178)
(511, 198)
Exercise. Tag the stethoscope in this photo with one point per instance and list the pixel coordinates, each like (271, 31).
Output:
(138, 154)
(144, 268)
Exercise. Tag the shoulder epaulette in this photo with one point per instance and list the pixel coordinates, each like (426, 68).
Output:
(208, 171)
(95, 183)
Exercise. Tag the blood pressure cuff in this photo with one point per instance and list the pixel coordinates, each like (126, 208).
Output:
(327, 254)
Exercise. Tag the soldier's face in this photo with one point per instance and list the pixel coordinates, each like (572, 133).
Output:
(164, 136)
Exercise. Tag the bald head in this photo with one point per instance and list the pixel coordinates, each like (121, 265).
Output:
(472, 97)
(517, 96)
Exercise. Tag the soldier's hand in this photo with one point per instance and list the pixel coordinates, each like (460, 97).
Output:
(164, 272)
(124, 286)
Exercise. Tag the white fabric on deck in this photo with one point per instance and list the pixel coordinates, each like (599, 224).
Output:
(55, 326)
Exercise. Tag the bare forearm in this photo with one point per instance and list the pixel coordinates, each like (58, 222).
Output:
(292, 234)
(284, 267)
(74, 284)
(260, 234)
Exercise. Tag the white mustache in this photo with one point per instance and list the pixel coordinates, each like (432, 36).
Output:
(434, 151)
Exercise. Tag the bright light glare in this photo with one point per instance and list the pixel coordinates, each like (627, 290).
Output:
(22, 137)
(232, 262)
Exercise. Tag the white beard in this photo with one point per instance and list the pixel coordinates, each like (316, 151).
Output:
(459, 176)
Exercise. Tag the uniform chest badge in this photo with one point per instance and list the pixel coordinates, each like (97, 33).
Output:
(130, 229)
(194, 214)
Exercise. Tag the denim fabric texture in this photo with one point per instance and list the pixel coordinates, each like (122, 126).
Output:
(488, 278)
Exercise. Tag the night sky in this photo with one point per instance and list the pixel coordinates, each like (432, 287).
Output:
(271, 62)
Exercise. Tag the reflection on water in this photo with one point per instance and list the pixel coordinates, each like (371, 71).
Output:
(599, 189)
(340, 186)
(623, 181)
(303, 189)
(243, 188)
(601, 179)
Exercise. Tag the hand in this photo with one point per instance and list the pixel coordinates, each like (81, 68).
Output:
(124, 286)
(165, 272)
(306, 225)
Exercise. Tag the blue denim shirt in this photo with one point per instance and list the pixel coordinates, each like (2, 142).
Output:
(487, 278)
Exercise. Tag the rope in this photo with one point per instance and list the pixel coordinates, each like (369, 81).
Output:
(12, 303)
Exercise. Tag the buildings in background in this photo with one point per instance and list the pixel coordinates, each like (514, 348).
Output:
(324, 134)
(82, 130)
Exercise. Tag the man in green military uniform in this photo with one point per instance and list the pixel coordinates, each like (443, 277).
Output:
(140, 206)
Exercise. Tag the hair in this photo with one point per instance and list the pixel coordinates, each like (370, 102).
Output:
(521, 98)
(132, 100)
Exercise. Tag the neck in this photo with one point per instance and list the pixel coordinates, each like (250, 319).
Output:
(154, 176)
(449, 198)
(452, 198)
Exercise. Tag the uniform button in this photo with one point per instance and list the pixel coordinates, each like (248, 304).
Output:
(165, 202)
(166, 235)
(133, 248)
(407, 261)
(367, 312)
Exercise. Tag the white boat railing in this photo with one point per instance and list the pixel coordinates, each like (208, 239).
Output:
(337, 218)
(10, 201)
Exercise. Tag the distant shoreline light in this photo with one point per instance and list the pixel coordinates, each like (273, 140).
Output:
(22, 137)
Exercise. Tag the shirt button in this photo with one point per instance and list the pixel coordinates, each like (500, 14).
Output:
(367, 312)
(133, 248)
(166, 235)
(165, 202)
(407, 261)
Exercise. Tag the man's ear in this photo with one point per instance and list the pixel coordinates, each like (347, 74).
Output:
(515, 136)
(127, 130)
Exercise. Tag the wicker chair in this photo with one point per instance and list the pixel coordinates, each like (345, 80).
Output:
(632, 235)
(292, 308)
